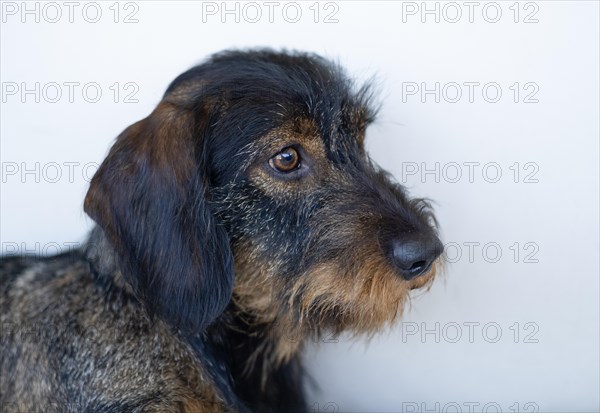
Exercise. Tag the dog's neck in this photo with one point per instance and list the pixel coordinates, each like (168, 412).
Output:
(247, 348)
(249, 351)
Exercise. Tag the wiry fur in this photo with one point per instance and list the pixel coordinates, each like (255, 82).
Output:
(208, 270)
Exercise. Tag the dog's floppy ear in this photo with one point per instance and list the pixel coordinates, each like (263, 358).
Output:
(149, 197)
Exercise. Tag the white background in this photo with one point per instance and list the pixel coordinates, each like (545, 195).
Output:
(553, 205)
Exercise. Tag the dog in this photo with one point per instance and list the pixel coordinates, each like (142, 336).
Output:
(239, 220)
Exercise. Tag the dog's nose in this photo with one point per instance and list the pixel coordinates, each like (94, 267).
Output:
(413, 254)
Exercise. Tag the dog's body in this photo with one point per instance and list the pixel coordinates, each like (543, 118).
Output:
(77, 342)
(68, 346)
(236, 221)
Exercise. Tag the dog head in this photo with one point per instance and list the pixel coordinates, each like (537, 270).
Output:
(254, 164)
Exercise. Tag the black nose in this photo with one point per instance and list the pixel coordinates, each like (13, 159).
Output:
(413, 254)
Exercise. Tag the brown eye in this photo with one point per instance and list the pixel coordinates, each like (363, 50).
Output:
(285, 161)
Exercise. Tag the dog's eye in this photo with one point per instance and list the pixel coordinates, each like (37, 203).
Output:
(286, 161)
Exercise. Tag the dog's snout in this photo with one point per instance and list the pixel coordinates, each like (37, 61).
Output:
(413, 255)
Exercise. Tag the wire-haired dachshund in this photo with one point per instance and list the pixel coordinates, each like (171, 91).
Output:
(239, 220)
